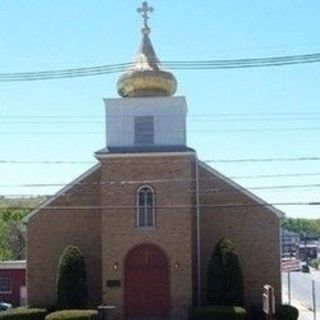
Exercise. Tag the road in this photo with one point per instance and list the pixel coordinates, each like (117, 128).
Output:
(301, 289)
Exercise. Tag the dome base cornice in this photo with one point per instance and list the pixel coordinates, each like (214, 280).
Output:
(146, 83)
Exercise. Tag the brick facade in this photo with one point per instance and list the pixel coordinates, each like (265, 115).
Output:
(106, 235)
(50, 231)
(254, 230)
(173, 225)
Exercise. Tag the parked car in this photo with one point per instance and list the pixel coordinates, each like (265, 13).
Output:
(305, 268)
(4, 306)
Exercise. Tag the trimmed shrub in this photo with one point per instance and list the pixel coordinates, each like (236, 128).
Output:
(73, 315)
(256, 312)
(224, 276)
(71, 280)
(23, 313)
(286, 312)
(219, 313)
(315, 263)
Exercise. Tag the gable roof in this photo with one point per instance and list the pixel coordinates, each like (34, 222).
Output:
(242, 190)
(68, 187)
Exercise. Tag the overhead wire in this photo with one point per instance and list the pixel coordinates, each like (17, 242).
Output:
(209, 64)
(192, 115)
(177, 206)
(190, 189)
(177, 65)
(199, 131)
(172, 180)
(194, 120)
(204, 119)
(184, 65)
(276, 159)
(117, 185)
(218, 160)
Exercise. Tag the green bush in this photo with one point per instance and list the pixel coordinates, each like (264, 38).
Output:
(23, 313)
(73, 315)
(219, 313)
(286, 312)
(71, 280)
(315, 263)
(224, 276)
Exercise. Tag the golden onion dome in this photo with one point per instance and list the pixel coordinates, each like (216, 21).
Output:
(145, 78)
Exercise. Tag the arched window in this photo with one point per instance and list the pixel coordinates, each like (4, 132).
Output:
(145, 207)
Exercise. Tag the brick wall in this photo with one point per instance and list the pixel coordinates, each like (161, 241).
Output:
(50, 231)
(108, 235)
(253, 229)
(173, 225)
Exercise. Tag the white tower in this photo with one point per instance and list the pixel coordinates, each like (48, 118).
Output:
(147, 117)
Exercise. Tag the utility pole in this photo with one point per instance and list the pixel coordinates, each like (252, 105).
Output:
(289, 288)
(314, 305)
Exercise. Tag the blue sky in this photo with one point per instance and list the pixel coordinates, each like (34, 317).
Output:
(54, 34)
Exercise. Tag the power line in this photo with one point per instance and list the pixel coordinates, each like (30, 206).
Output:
(172, 180)
(280, 175)
(294, 186)
(317, 185)
(285, 159)
(225, 205)
(178, 65)
(197, 119)
(214, 190)
(200, 131)
(64, 73)
(243, 160)
(192, 115)
(45, 162)
(190, 189)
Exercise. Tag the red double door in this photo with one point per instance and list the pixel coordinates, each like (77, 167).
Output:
(146, 283)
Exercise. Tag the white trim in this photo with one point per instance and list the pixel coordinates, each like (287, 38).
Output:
(143, 154)
(242, 190)
(61, 192)
(21, 264)
(126, 100)
(153, 207)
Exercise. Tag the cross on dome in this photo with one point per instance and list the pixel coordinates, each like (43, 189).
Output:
(145, 10)
(146, 78)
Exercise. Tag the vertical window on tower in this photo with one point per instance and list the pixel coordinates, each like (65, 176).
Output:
(145, 207)
(143, 130)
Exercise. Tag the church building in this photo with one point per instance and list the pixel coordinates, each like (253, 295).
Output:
(148, 216)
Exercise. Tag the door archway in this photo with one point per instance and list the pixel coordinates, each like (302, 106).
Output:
(146, 282)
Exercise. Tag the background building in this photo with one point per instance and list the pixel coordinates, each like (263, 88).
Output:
(12, 282)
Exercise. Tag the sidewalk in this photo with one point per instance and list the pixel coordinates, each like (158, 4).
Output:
(304, 313)
(315, 273)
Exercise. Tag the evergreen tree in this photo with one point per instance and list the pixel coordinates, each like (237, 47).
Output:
(71, 279)
(224, 277)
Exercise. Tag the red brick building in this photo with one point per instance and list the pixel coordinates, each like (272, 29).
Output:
(13, 282)
(148, 216)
